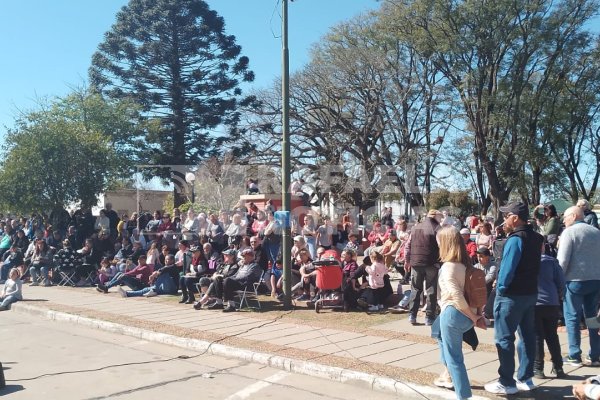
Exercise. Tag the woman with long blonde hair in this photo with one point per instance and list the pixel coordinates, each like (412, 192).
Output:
(456, 316)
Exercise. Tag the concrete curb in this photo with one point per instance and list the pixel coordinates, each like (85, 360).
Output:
(406, 390)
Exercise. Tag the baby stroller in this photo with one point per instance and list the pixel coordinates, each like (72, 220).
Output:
(329, 283)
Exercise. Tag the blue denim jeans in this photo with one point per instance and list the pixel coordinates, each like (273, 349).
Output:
(511, 314)
(164, 285)
(311, 245)
(34, 273)
(453, 324)
(578, 294)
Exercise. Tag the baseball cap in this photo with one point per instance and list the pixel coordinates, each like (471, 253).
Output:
(517, 208)
(465, 231)
(484, 251)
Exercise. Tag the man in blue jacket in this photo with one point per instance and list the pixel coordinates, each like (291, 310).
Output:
(516, 295)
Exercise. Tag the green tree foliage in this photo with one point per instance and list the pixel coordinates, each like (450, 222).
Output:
(54, 157)
(503, 59)
(174, 58)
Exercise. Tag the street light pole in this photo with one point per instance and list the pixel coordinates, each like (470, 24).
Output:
(285, 159)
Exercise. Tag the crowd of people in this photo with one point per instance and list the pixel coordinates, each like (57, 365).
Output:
(539, 270)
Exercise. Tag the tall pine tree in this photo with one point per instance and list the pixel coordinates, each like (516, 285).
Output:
(174, 58)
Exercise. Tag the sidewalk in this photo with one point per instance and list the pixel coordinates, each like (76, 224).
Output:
(392, 356)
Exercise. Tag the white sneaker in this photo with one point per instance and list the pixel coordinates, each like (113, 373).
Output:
(498, 388)
(122, 291)
(380, 306)
(151, 293)
(525, 386)
(373, 308)
(443, 382)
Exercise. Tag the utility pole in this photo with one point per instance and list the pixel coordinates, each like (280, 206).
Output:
(285, 159)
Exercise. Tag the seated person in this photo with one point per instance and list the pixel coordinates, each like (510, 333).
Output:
(137, 279)
(41, 262)
(107, 271)
(248, 273)
(353, 243)
(390, 248)
(308, 273)
(276, 278)
(198, 268)
(90, 258)
(11, 259)
(162, 281)
(213, 287)
(67, 260)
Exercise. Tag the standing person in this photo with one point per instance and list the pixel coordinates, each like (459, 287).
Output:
(578, 255)
(589, 217)
(456, 315)
(325, 234)
(551, 287)
(309, 233)
(422, 258)
(516, 295)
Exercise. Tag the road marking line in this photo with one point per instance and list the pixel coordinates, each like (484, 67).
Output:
(258, 386)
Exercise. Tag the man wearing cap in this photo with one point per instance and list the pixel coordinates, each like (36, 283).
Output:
(422, 257)
(516, 295)
(212, 288)
(578, 255)
(248, 273)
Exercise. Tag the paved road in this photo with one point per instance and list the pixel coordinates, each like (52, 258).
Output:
(46, 360)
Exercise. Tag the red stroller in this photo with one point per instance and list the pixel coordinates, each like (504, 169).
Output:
(329, 282)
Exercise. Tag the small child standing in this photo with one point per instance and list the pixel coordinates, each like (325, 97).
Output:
(377, 271)
(551, 281)
(12, 291)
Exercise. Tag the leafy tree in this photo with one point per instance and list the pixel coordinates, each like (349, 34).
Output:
(366, 105)
(500, 58)
(174, 58)
(52, 159)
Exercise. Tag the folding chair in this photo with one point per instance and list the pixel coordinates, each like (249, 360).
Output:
(250, 293)
(66, 278)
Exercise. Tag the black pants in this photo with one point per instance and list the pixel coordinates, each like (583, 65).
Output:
(419, 275)
(188, 286)
(546, 323)
(229, 288)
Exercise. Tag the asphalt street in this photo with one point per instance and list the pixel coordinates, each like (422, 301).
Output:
(51, 360)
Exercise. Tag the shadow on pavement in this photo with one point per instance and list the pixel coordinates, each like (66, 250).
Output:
(8, 389)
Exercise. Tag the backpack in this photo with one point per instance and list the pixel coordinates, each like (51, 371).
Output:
(475, 288)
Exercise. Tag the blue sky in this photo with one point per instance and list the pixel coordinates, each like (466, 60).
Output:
(47, 45)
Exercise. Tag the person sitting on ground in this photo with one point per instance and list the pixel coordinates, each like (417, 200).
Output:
(12, 290)
(212, 288)
(198, 268)
(107, 270)
(40, 263)
(162, 281)
(248, 274)
(137, 279)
